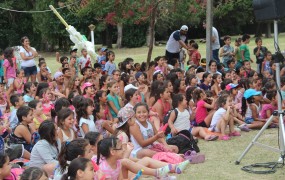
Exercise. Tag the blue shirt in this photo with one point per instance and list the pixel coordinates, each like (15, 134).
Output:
(102, 62)
(13, 119)
(110, 67)
(27, 98)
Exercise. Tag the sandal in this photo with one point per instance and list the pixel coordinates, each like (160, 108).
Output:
(212, 138)
(225, 137)
(194, 157)
(235, 133)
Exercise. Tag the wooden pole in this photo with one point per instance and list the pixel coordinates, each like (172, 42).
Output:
(209, 26)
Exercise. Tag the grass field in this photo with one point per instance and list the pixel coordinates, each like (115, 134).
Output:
(140, 54)
(220, 155)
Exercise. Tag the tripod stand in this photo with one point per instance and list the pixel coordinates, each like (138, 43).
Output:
(278, 113)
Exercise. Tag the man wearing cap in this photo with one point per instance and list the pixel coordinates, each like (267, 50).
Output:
(175, 42)
(215, 43)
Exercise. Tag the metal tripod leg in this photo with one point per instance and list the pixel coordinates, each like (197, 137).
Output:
(281, 136)
(255, 139)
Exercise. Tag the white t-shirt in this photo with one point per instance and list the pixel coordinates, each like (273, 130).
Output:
(173, 45)
(89, 122)
(83, 61)
(216, 44)
(216, 118)
(27, 63)
(182, 121)
(38, 69)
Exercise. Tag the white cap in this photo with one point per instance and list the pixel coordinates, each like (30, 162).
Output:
(130, 86)
(184, 28)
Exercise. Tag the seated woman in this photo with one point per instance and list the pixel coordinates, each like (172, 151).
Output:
(45, 152)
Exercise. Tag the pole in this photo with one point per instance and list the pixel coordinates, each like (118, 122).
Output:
(279, 98)
(92, 27)
(59, 16)
(209, 25)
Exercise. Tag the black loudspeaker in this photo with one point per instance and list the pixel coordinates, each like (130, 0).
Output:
(268, 9)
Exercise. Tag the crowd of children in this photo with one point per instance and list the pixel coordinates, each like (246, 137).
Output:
(99, 119)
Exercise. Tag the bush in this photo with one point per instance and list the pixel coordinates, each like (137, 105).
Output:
(134, 35)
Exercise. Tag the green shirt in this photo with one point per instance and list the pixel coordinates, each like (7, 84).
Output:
(1, 67)
(246, 54)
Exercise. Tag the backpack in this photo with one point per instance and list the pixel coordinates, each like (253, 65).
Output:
(184, 141)
(166, 118)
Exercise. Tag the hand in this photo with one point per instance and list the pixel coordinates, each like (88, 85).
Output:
(159, 134)
(57, 53)
(174, 131)
(130, 146)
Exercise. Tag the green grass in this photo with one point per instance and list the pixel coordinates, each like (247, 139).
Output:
(140, 54)
(220, 155)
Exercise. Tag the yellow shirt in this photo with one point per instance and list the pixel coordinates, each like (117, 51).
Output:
(38, 122)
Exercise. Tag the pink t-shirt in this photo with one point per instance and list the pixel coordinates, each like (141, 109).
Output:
(266, 107)
(201, 111)
(10, 71)
(123, 137)
(162, 69)
(109, 172)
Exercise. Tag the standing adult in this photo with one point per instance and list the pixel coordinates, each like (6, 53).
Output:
(215, 43)
(28, 55)
(175, 42)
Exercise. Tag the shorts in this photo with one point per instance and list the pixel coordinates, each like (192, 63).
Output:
(15, 151)
(30, 70)
(10, 82)
(135, 151)
(248, 120)
(202, 124)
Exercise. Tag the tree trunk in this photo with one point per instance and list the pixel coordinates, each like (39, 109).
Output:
(258, 32)
(148, 35)
(120, 35)
(268, 31)
(152, 25)
(109, 36)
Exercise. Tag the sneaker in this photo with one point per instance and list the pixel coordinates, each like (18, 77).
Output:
(244, 128)
(235, 133)
(273, 126)
(194, 157)
(163, 171)
(181, 166)
(225, 137)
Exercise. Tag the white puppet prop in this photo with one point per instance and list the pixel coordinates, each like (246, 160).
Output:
(79, 41)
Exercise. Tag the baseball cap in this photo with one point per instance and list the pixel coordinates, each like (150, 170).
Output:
(251, 92)
(57, 75)
(73, 50)
(184, 28)
(87, 84)
(138, 74)
(130, 86)
(104, 49)
(231, 86)
(124, 115)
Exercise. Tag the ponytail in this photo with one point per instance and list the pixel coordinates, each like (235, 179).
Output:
(70, 151)
(98, 152)
(243, 107)
(62, 156)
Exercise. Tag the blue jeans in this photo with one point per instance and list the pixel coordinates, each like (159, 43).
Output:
(216, 55)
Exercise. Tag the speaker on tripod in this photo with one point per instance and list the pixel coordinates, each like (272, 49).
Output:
(268, 9)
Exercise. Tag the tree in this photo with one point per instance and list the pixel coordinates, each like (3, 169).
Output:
(15, 25)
